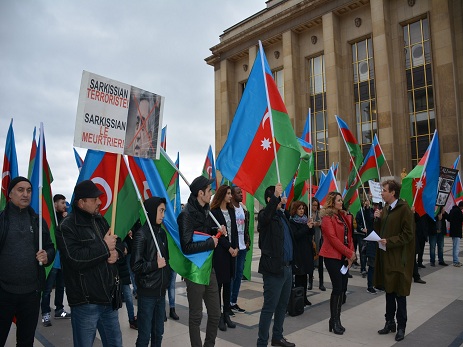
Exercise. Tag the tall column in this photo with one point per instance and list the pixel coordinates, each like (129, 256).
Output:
(393, 139)
(292, 75)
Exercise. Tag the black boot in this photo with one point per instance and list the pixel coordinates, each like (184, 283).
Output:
(334, 323)
(389, 327)
(310, 282)
(338, 311)
(226, 318)
(222, 325)
(343, 297)
(320, 280)
(173, 314)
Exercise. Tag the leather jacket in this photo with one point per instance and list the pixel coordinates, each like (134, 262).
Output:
(150, 280)
(271, 239)
(191, 219)
(88, 276)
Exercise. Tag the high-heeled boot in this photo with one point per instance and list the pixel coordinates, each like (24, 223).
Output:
(228, 321)
(338, 311)
(334, 322)
(222, 325)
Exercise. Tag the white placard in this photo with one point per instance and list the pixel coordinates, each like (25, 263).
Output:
(116, 117)
(375, 190)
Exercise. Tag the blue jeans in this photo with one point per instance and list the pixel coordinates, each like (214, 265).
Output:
(236, 282)
(438, 239)
(127, 292)
(151, 311)
(87, 318)
(456, 249)
(277, 290)
(171, 289)
(54, 274)
(132, 275)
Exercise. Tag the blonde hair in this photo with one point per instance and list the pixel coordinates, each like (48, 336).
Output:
(330, 199)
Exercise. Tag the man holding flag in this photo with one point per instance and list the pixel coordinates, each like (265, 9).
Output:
(89, 252)
(194, 218)
(22, 276)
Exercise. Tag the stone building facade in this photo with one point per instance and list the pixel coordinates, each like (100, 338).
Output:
(388, 67)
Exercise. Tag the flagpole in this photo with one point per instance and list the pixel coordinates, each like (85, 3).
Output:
(116, 190)
(269, 107)
(40, 187)
(390, 172)
(188, 184)
(310, 171)
(424, 168)
(142, 206)
(350, 156)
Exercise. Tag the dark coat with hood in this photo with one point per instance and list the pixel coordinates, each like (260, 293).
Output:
(394, 267)
(271, 238)
(224, 264)
(303, 248)
(455, 219)
(88, 276)
(333, 234)
(150, 280)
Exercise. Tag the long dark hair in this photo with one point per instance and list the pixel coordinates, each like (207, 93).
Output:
(220, 196)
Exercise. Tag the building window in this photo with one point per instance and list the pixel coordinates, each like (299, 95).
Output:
(364, 93)
(279, 81)
(420, 93)
(317, 102)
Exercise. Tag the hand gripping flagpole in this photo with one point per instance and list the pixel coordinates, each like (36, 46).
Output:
(269, 108)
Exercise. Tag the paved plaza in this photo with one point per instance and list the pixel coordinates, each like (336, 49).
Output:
(435, 315)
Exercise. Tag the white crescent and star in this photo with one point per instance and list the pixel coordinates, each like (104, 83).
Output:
(6, 173)
(265, 143)
(109, 194)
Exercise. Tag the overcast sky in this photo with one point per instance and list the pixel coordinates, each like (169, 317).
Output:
(159, 46)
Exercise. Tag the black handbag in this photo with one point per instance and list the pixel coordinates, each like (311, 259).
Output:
(116, 294)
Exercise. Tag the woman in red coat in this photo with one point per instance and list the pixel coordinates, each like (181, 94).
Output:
(337, 251)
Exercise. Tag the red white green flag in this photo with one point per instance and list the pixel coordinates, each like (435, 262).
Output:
(260, 129)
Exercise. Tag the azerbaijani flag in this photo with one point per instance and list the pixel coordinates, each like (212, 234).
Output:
(328, 185)
(79, 160)
(100, 167)
(419, 187)
(209, 169)
(335, 169)
(174, 189)
(355, 155)
(163, 138)
(41, 177)
(248, 155)
(10, 165)
(32, 155)
(196, 267)
(457, 188)
(369, 169)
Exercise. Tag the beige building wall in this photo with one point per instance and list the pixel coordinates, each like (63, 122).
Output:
(289, 28)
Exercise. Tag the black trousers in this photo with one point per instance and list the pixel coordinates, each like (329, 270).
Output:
(25, 307)
(225, 289)
(396, 306)
(338, 280)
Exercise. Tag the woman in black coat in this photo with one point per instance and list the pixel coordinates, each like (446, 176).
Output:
(303, 233)
(227, 249)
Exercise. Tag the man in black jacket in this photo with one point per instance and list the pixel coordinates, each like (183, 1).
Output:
(89, 252)
(193, 218)
(22, 273)
(276, 244)
(152, 274)
(456, 218)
